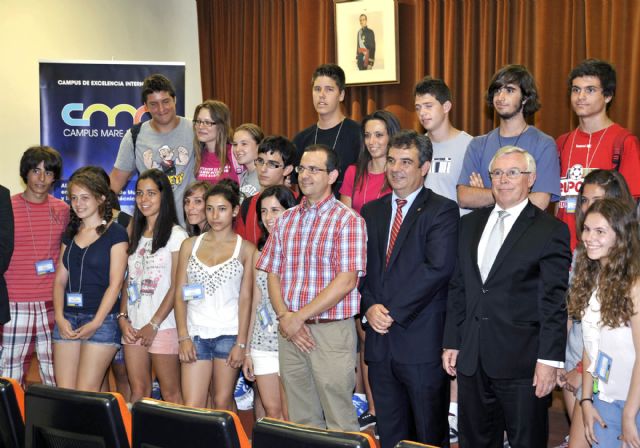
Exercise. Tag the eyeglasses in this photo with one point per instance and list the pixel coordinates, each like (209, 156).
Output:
(272, 165)
(205, 123)
(312, 169)
(511, 173)
(589, 90)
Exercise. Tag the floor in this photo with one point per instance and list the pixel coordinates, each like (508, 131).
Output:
(558, 424)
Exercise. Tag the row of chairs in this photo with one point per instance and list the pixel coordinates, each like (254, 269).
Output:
(64, 418)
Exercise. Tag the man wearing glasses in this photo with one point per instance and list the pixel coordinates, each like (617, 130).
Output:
(273, 164)
(597, 142)
(506, 321)
(513, 95)
(314, 258)
(164, 142)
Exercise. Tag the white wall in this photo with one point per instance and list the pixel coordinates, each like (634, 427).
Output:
(125, 30)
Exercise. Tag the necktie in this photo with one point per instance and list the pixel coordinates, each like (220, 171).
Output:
(493, 245)
(397, 221)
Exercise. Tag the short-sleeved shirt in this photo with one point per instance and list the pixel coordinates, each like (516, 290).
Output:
(446, 165)
(38, 229)
(150, 274)
(171, 152)
(89, 269)
(541, 147)
(344, 138)
(310, 245)
(580, 153)
(371, 188)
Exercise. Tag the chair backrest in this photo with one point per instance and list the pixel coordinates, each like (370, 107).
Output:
(165, 425)
(410, 444)
(11, 413)
(269, 433)
(69, 418)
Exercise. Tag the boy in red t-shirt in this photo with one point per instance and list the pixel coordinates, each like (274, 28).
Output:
(597, 142)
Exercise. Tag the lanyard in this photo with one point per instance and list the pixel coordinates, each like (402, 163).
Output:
(81, 267)
(33, 239)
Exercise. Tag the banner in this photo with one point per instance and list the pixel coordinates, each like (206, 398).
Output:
(86, 107)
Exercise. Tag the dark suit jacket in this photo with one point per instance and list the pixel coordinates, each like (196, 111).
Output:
(413, 287)
(519, 314)
(369, 42)
(6, 250)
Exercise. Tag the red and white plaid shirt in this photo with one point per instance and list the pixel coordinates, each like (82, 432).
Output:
(310, 245)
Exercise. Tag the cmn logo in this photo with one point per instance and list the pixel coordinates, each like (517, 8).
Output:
(110, 112)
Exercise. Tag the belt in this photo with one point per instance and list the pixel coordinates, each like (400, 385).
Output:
(317, 320)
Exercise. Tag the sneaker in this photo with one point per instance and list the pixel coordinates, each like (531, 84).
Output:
(366, 420)
(361, 405)
(453, 428)
(243, 394)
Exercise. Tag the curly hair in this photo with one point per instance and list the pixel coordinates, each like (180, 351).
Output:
(95, 184)
(614, 279)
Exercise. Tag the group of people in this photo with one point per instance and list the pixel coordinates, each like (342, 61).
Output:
(435, 257)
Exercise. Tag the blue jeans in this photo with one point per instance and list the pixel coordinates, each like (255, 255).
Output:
(611, 413)
(107, 334)
(208, 349)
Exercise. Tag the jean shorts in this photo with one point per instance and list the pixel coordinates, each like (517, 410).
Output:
(108, 334)
(208, 349)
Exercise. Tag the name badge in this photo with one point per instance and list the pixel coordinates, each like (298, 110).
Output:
(571, 203)
(603, 367)
(45, 267)
(192, 292)
(265, 318)
(74, 299)
(134, 294)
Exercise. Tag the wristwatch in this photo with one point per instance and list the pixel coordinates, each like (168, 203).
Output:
(241, 345)
(119, 315)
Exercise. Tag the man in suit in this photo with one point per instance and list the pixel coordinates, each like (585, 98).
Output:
(6, 249)
(410, 258)
(506, 317)
(366, 45)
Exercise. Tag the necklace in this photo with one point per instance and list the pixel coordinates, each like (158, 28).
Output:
(587, 160)
(333, 148)
(33, 240)
(519, 135)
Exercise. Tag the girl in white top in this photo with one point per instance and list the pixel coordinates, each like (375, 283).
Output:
(605, 293)
(146, 310)
(261, 363)
(213, 300)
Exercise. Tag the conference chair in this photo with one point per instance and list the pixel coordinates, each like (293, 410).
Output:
(270, 432)
(11, 413)
(410, 444)
(160, 424)
(70, 418)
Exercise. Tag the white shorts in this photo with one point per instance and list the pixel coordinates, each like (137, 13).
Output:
(264, 362)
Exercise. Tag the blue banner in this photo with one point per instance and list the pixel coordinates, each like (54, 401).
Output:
(87, 107)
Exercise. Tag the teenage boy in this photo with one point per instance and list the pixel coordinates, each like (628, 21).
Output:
(40, 220)
(273, 164)
(513, 95)
(433, 104)
(597, 142)
(164, 142)
(340, 134)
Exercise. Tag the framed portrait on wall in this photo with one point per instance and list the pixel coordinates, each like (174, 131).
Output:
(367, 41)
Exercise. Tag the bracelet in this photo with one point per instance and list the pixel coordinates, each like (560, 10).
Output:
(119, 315)
(586, 399)
(154, 325)
(184, 338)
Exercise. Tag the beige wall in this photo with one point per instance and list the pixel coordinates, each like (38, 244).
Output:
(125, 30)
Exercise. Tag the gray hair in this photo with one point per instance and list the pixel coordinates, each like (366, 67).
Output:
(510, 149)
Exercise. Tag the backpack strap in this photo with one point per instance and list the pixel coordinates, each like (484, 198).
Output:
(135, 130)
(618, 148)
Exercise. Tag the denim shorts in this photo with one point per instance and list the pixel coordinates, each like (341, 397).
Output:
(208, 349)
(108, 334)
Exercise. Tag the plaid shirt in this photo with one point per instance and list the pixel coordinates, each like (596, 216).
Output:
(310, 245)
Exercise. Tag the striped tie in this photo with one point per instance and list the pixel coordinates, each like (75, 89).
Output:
(397, 222)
